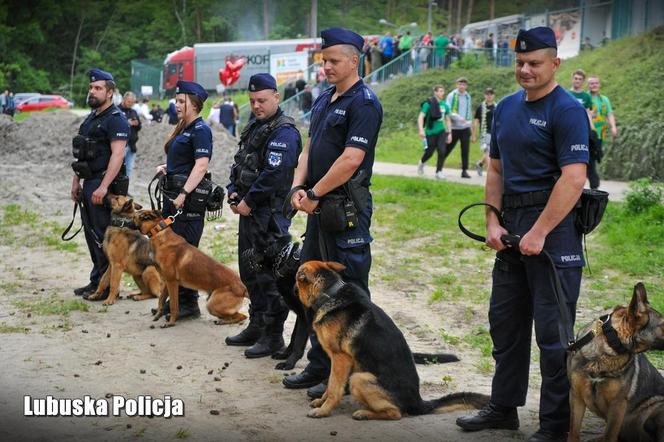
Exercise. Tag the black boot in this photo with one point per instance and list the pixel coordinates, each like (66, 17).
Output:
(249, 335)
(491, 416)
(187, 308)
(90, 288)
(271, 340)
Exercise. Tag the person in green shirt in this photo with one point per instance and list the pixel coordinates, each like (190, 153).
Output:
(440, 46)
(603, 119)
(406, 42)
(435, 128)
(578, 78)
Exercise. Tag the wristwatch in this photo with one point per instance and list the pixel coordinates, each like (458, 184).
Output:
(312, 196)
(184, 192)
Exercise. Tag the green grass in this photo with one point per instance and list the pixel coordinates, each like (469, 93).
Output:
(6, 328)
(21, 226)
(182, 433)
(51, 305)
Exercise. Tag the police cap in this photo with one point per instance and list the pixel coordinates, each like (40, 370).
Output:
(262, 81)
(533, 39)
(191, 88)
(341, 36)
(97, 74)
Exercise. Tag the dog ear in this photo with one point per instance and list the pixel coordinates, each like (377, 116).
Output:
(335, 266)
(137, 206)
(127, 205)
(637, 312)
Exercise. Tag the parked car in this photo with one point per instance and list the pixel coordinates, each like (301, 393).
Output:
(42, 102)
(22, 96)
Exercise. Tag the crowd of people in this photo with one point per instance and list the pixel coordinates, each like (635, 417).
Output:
(7, 103)
(536, 146)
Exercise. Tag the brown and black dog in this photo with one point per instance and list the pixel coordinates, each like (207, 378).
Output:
(181, 263)
(127, 250)
(368, 349)
(612, 377)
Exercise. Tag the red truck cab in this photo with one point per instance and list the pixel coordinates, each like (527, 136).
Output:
(179, 65)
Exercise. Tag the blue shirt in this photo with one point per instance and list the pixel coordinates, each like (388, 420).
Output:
(194, 142)
(352, 120)
(227, 114)
(534, 139)
(105, 127)
(388, 46)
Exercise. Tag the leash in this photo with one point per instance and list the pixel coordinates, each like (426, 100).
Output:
(85, 223)
(565, 328)
(604, 327)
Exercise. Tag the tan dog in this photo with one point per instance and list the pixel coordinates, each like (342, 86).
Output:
(183, 264)
(610, 374)
(127, 250)
(367, 350)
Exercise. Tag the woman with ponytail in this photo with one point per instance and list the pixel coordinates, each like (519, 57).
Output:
(188, 151)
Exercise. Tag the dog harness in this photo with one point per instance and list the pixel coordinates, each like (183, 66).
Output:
(163, 225)
(121, 221)
(328, 295)
(607, 330)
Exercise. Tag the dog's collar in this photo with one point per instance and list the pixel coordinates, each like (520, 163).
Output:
(327, 295)
(121, 221)
(604, 326)
(163, 225)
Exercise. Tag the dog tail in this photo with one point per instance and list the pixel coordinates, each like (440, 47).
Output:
(453, 402)
(434, 358)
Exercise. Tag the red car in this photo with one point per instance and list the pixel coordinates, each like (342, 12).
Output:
(42, 102)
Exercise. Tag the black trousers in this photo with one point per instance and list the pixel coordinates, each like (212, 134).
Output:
(191, 230)
(262, 286)
(357, 261)
(436, 143)
(593, 173)
(98, 217)
(462, 135)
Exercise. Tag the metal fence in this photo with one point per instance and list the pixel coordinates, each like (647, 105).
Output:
(146, 72)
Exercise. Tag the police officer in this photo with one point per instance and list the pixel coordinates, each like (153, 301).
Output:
(539, 153)
(259, 183)
(99, 149)
(128, 101)
(188, 153)
(345, 120)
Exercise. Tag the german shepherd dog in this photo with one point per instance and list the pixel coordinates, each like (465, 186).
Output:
(127, 250)
(612, 377)
(183, 264)
(368, 349)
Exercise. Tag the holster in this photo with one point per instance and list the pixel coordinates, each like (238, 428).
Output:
(591, 209)
(82, 170)
(120, 185)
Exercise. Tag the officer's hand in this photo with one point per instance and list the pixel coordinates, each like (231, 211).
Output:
(179, 201)
(243, 209)
(308, 205)
(296, 199)
(98, 195)
(75, 190)
(422, 134)
(161, 169)
(493, 234)
(531, 243)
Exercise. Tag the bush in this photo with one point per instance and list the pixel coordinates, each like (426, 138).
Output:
(643, 195)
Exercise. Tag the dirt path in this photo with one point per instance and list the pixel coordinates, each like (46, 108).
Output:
(114, 351)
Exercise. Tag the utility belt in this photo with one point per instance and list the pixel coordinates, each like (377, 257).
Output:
(339, 209)
(207, 196)
(119, 186)
(588, 211)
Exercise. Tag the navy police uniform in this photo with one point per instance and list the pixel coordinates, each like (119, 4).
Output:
(352, 120)
(194, 142)
(261, 176)
(105, 127)
(533, 140)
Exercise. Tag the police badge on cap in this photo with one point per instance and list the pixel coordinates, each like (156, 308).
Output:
(259, 82)
(534, 39)
(341, 36)
(97, 74)
(191, 88)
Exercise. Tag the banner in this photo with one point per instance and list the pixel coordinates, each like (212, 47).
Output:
(567, 27)
(289, 67)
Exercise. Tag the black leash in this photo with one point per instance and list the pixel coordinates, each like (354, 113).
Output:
(565, 328)
(85, 223)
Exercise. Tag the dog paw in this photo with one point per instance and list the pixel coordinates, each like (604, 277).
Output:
(109, 301)
(94, 297)
(318, 412)
(361, 415)
(167, 325)
(284, 366)
(316, 403)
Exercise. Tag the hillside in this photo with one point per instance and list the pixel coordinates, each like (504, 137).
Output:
(631, 71)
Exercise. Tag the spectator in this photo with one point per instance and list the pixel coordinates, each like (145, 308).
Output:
(397, 42)
(300, 84)
(289, 92)
(3, 100)
(482, 125)
(10, 104)
(171, 112)
(406, 42)
(156, 113)
(126, 106)
(586, 45)
(228, 115)
(460, 106)
(425, 50)
(144, 110)
(434, 124)
(376, 59)
(387, 47)
(440, 46)
(307, 99)
(602, 112)
(488, 48)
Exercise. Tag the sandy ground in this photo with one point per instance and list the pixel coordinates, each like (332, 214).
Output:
(115, 351)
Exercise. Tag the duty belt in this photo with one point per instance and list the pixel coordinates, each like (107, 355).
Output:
(517, 200)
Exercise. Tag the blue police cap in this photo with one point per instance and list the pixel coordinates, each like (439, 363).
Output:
(341, 36)
(534, 39)
(191, 88)
(259, 82)
(97, 74)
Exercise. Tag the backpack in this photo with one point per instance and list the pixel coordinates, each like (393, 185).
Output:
(434, 113)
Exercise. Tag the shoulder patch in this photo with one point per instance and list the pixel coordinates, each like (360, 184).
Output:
(274, 159)
(278, 144)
